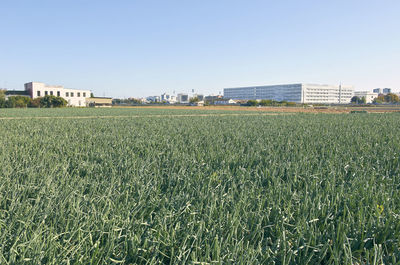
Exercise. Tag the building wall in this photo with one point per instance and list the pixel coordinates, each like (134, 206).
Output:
(299, 93)
(74, 97)
(183, 98)
(328, 94)
(240, 93)
(369, 96)
(377, 90)
(199, 96)
(387, 90)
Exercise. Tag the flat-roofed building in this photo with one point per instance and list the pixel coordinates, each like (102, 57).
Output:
(74, 97)
(99, 102)
(387, 90)
(183, 98)
(369, 96)
(299, 93)
(13, 93)
(378, 90)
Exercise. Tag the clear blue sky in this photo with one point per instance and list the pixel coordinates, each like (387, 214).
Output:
(138, 48)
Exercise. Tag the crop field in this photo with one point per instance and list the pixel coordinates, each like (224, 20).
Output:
(147, 186)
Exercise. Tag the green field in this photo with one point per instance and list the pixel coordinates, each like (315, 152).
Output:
(142, 189)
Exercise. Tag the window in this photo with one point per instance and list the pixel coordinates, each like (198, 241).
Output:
(72, 94)
(84, 94)
(66, 94)
(58, 93)
(46, 93)
(51, 92)
(38, 93)
(79, 94)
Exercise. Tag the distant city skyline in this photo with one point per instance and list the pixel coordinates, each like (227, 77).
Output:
(136, 49)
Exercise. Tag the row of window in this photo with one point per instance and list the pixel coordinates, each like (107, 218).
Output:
(67, 94)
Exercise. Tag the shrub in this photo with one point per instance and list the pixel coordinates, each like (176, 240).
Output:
(52, 102)
(252, 102)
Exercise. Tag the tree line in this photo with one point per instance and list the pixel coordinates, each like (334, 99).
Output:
(48, 101)
(389, 98)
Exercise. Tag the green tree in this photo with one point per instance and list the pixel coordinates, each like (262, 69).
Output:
(358, 100)
(18, 102)
(52, 102)
(363, 100)
(252, 102)
(2, 98)
(388, 98)
(355, 100)
(266, 102)
(391, 98)
(59, 102)
(35, 103)
(194, 100)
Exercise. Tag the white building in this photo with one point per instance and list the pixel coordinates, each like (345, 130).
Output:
(172, 100)
(225, 102)
(299, 93)
(168, 98)
(165, 97)
(369, 96)
(74, 97)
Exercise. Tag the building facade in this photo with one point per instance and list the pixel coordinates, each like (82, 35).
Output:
(299, 93)
(369, 96)
(199, 96)
(183, 98)
(377, 90)
(153, 99)
(74, 97)
(387, 90)
(382, 91)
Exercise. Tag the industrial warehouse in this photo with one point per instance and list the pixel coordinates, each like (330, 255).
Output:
(299, 93)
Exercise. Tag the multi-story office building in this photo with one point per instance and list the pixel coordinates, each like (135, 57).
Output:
(382, 91)
(183, 98)
(299, 93)
(171, 99)
(74, 97)
(377, 90)
(387, 90)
